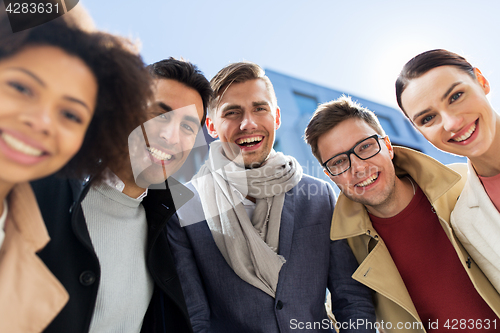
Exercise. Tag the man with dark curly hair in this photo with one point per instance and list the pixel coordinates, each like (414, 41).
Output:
(109, 245)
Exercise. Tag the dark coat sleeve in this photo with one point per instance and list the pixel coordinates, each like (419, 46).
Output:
(191, 281)
(352, 301)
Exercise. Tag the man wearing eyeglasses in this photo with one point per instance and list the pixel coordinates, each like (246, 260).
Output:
(252, 247)
(394, 211)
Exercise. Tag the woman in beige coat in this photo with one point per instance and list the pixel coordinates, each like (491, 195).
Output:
(56, 96)
(445, 98)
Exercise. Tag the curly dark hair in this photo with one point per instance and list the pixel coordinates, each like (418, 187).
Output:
(124, 88)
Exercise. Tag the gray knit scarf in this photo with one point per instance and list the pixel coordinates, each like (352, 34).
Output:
(249, 247)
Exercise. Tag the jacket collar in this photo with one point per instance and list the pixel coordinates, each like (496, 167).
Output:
(351, 218)
(474, 189)
(170, 198)
(25, 215)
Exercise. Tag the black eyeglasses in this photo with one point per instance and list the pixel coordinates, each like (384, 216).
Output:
(364, 150)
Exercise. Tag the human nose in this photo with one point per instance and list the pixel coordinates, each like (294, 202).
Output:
(452, 122)
(39, 119)
(358, 166)
(248, 123)
(170, 133)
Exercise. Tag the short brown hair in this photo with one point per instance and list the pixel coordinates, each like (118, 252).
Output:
(426, 61)
(330, 114)
(237, 72)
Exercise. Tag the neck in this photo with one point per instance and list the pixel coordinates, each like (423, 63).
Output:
(397, 200)
(5, 188)
(127, 177)
(488, 164)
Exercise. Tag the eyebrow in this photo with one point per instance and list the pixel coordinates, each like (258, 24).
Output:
(418, 114)
(167, 108)
(192, 119)
(259, 103)
(76, 100)
(40, 81)
(450, 89)
(357, 143)
(27, 72)
(231, 107)
(164, 106)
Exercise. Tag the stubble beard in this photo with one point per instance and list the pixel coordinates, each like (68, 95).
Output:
(380, 199)
(262, 157)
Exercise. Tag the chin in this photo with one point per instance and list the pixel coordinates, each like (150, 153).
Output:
(150, 177)
(253, 165)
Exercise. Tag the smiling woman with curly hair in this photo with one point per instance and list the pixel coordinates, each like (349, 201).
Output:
(69, 99)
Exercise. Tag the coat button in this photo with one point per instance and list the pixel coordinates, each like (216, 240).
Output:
(87, 278)
(279, 305)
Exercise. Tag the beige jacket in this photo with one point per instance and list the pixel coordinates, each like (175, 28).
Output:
(476, 222)
(30, 296)
(442, 186)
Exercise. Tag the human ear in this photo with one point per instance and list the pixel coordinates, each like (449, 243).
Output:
(388, 144)
(278, 118)
(482, 80)
(211, 128)
(329, 176)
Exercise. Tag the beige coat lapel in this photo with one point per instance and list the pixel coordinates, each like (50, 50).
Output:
(31, 296)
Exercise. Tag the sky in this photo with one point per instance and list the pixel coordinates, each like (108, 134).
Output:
(355, 46)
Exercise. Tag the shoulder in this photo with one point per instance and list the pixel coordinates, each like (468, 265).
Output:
(313, 188)
(192, 211)
(49, 185)
(473, 196)
(312, 183)
(306, 179)
(453, 194)
(460, 168)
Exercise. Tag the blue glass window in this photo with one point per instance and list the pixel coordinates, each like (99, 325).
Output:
(306, 104)
(388, 126)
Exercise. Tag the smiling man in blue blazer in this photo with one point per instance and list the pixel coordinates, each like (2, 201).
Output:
(252, 248)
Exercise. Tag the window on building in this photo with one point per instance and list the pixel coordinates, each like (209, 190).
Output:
(388, 126)
(306, 104)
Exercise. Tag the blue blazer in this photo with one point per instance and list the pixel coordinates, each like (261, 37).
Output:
(219, 301)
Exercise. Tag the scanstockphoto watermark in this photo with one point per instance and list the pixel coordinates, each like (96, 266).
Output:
(352, 325)
(26, 14)
(311, 190)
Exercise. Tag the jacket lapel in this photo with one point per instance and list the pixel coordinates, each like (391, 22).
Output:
(474, 189)
(287, 225)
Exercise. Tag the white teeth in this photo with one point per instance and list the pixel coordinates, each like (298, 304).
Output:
(467, 134)
(159, 155)
(249, 140)
(368, 181)
(20, 146)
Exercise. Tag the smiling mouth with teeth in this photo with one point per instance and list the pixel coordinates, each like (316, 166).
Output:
(20, 146)
(466, 135)
(159, 155)
(369, 181)
(249, 142)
